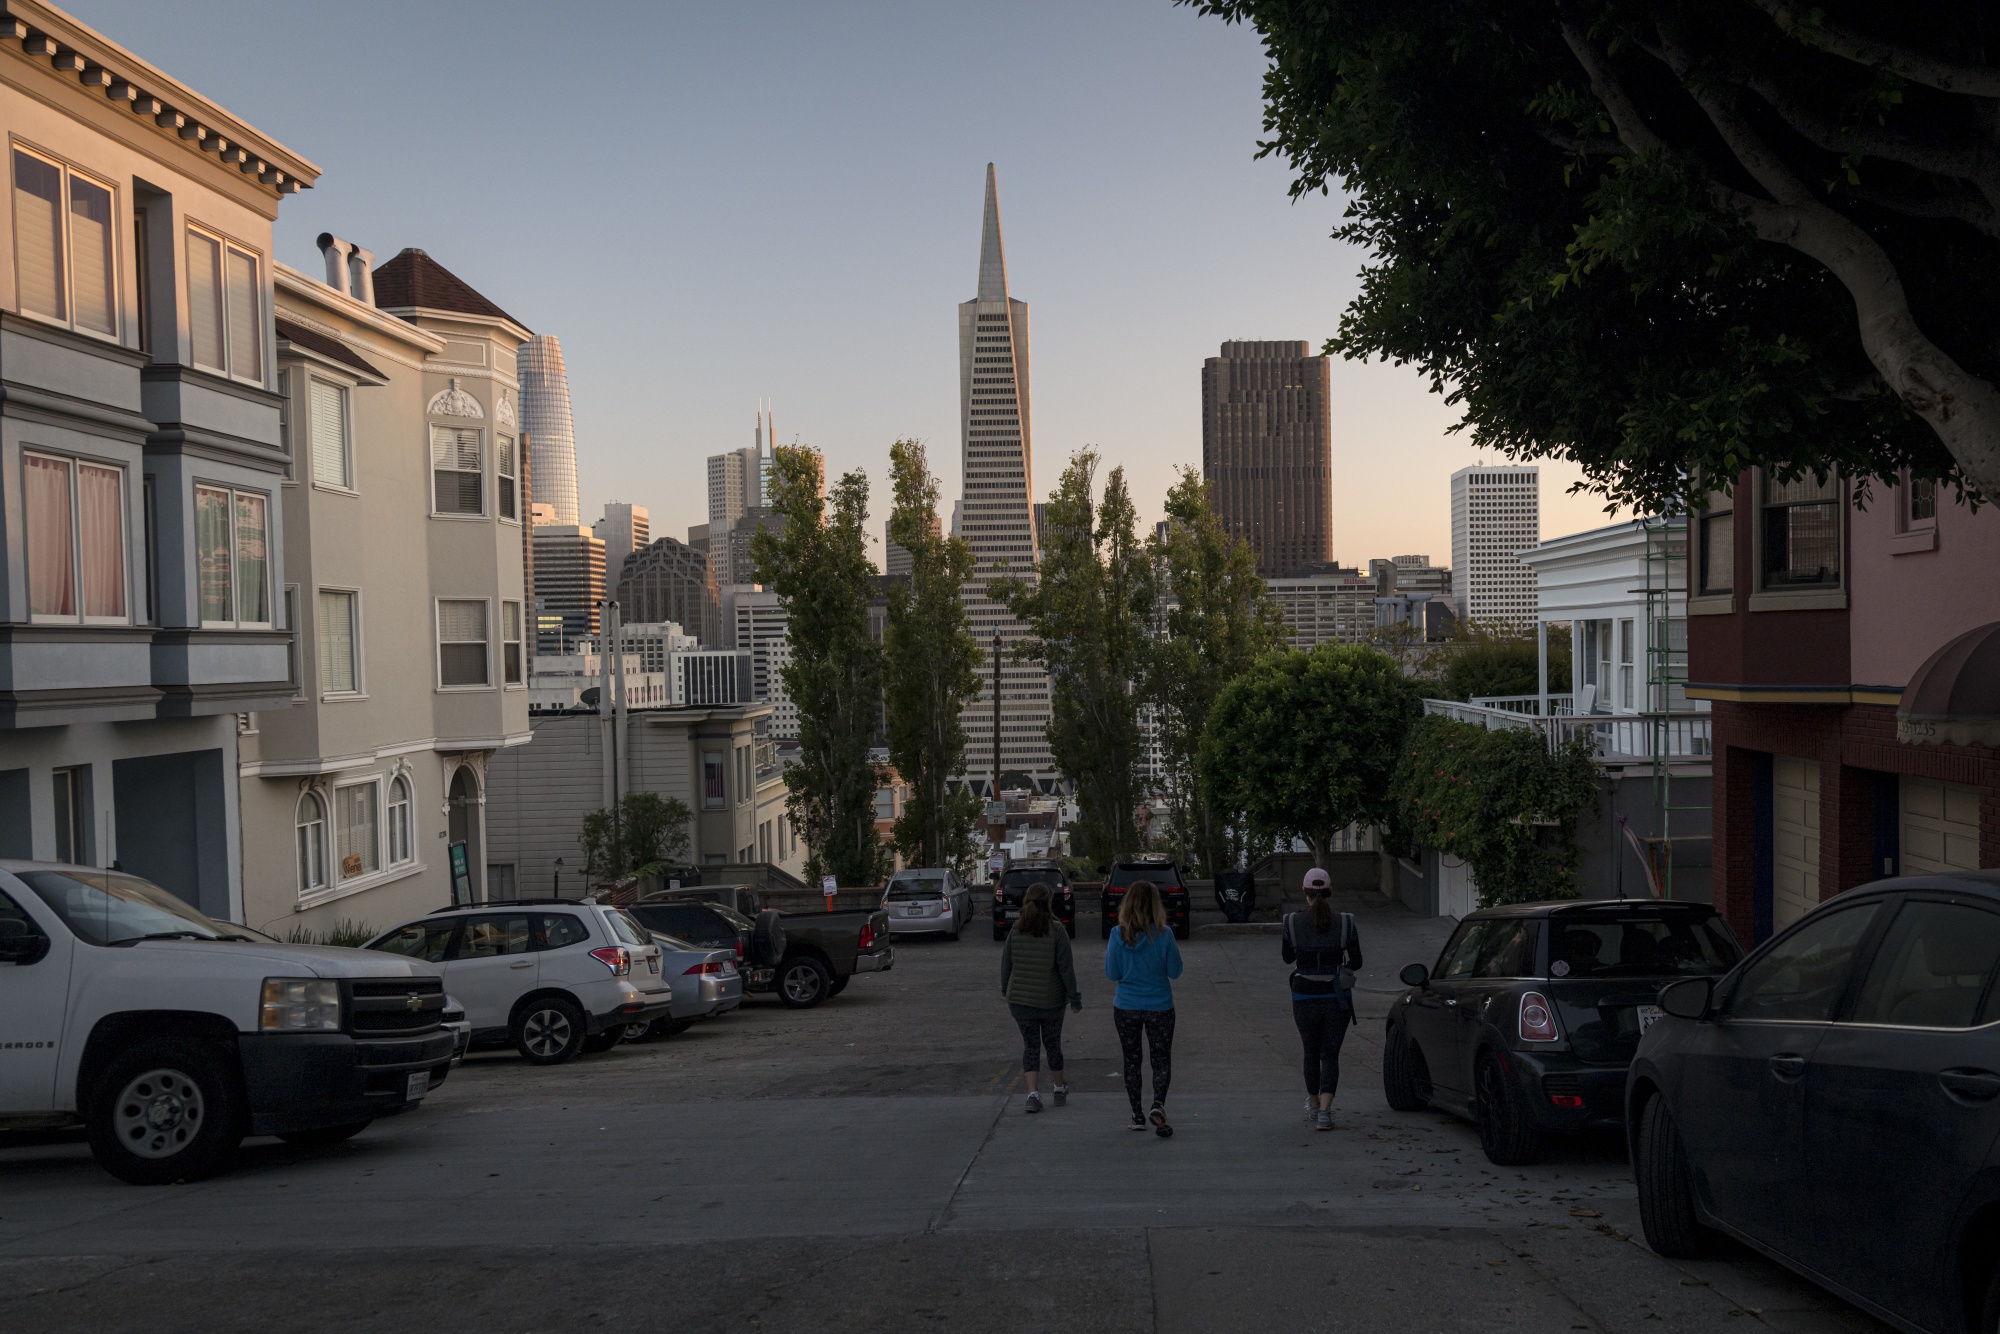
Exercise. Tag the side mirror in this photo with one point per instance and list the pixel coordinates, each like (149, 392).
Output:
(1415, 975)
(20, 943)
(1689, 998)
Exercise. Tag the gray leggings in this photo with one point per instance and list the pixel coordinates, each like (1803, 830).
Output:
(1039, 1028)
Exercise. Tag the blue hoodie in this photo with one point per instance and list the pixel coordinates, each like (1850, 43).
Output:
(1144, 971)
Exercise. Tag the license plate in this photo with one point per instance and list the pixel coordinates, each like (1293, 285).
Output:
(1647, 1014)
(653, 966)
(914, 912)
(420, 1084)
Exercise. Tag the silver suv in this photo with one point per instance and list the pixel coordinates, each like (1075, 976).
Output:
(554, 977)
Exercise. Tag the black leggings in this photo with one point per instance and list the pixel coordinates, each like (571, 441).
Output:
(1322, 1027)
(1158, 1026)
(1039, 1028)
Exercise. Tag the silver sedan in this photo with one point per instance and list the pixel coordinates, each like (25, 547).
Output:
(927, 900)
(706, 983)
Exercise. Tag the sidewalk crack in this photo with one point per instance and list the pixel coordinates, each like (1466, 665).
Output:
(943, 1215)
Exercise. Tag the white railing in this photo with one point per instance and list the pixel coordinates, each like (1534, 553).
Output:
(1560, 706)
(1614, 737)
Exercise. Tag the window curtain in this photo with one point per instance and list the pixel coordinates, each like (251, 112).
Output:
(336, 642)
(253, 576)
(211, 535)
(204, 262)
(38, 256)
(329, 435)
(356, 815)
(92, 265)
(102, 515)
(51, 547)
(246, 360)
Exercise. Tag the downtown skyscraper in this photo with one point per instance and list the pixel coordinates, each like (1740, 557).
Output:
(995, 516)
(545, 416)
(1266, 451)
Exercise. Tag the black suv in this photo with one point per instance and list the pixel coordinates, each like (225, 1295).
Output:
(1014, 882)
(1530, 1020)
(1166, 877)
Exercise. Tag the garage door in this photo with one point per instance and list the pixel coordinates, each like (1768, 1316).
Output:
(1940, 827)
(1795, 830)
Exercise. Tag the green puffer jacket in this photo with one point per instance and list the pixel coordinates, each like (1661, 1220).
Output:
(1039, 971)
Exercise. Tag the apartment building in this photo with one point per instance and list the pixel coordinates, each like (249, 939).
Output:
(365, 800)
(667, 580)
(1267, 450)
(142, 459)
(760, 625)
(1331, 606)
(1496, 513)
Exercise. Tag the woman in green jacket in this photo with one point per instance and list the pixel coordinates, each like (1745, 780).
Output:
(1037, 975)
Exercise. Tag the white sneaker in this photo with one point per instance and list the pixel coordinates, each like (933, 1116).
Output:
(1034, 1102)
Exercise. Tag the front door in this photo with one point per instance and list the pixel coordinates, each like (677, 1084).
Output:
(1506, 955)
(33, 1000)
(1904, 1107)
(1744, 1076)
(492, 966)
(1432, 1014)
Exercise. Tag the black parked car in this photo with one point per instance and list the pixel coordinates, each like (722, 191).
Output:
(1531, 1018)
(1014, 882)
(1835, 1103)
(1166, 877)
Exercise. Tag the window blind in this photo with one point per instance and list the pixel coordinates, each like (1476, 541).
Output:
(38, 236)
(245, 342)
(93, 266)
(336, 642)
(204, 262)
(329, 435)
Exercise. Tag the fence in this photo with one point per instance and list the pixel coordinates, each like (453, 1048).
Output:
(1628, 737)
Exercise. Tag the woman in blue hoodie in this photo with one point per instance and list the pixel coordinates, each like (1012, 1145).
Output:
(1142, 958)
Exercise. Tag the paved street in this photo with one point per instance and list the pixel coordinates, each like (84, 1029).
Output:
(867, 1166)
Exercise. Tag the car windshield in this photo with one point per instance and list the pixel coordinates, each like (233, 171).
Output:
(665, 941)
(917, 886)
(1640, 945)
(1163, 875)
(625, 927)
(110, 908)
(1024, 878)
(730, 915)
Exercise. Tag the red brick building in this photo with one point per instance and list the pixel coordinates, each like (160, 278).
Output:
(1814, 619)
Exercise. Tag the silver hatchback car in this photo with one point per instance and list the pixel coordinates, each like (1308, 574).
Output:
(927, 899)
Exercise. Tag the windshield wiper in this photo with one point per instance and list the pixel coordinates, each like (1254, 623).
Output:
(167, 935)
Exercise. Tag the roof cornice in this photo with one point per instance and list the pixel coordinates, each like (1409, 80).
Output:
(67, 49)
(293, 282)
(459, 317)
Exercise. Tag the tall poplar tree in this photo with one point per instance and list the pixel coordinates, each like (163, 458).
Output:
(1090, 611)
(930, 663)
(818, 565)
(1219, 620)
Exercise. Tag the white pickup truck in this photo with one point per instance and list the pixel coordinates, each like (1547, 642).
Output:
(170, 1036)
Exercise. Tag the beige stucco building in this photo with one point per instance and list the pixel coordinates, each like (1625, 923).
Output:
(142, 540)
(404, 570)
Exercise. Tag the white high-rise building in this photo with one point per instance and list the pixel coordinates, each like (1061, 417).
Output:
(995, 514)
(1496, 514)
(758, 623)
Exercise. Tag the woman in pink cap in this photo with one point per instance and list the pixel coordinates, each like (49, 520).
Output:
(1325, 951)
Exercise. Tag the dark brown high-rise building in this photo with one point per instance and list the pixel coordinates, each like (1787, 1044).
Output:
(1266, 451)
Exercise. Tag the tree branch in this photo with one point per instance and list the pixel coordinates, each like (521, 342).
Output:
(1632, 129)
(1596, 145)
(1974, 212)
(1970, 164)
(1943, 75)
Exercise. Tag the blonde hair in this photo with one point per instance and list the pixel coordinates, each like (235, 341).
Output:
(1034, 917)
(1141, 911)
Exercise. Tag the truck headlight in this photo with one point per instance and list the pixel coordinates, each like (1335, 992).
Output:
(300, 1005)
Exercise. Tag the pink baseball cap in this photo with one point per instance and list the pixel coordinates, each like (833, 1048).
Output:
(1317, 879)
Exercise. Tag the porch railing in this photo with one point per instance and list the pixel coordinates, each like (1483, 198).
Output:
(1614, 737)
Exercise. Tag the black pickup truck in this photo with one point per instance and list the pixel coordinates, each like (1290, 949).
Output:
(804, 957)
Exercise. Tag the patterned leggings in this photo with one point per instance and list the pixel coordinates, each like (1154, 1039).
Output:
(1158, 1026)
(1040, 1028)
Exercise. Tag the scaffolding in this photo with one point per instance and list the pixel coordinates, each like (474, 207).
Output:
(1666, 591)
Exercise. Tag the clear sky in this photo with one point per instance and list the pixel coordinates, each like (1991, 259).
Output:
(713, 203)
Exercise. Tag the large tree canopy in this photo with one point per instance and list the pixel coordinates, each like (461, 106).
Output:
(1667, 238)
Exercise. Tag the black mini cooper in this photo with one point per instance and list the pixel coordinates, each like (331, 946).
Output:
(1531, 1017)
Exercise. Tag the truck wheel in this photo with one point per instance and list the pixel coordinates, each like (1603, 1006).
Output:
(605, 1041)
(548, 1031)
(1183, 930)
(1506, 1133)
(802, 982)
(1666, 1187)
(325, 1135)
(1405, 1078)
(166, 1112)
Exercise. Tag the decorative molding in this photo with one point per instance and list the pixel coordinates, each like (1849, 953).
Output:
(503, 411)
(454, 402)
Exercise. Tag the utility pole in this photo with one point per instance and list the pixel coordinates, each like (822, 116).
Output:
(996, 715)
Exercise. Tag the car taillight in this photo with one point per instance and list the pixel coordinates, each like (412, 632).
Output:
(615, 957)
(1538, 1018)
(866, 941)
(738, 942)
(1566, 1099)
(697, 970)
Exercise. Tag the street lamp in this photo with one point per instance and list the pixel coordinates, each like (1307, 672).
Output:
(558, 887)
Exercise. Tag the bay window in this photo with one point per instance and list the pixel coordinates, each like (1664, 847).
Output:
(510, 643)
(65, 251)
(225, 307)
(506, 482)
(1801, 532)
(402, 839)
(339, 656)
(455, 470)
(232, 556)
(462, 656)
(75, 517)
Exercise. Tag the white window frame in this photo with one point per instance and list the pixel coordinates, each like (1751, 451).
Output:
(506, 485)
(519, 681)
(360, 690)
(400, 812)
(347, 486)
(432, 470)
(262, 312)
(68, 263)
(74, 464)
(271, 590)
(438, 643)
(312, 879)
(342, 880)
